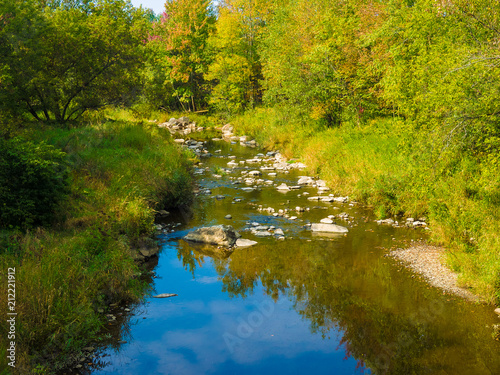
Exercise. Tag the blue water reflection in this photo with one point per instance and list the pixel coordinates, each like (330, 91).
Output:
(204, 331)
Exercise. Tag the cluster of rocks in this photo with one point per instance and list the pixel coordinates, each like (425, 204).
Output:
(85, 357)
(228, 135)
(262, 230)
(274, 157)
(182, 125)
(409, 223)
(197, 147)
(88, 355)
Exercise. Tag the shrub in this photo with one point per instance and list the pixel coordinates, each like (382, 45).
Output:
(33, 179)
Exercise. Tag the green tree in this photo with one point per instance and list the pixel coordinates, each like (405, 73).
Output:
(236, 71)
(65, 58)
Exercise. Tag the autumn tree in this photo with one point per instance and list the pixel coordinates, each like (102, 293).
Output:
(316, 58)
(179, 41)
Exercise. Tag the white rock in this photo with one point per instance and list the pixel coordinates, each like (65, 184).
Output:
(305, 180)
(283, 187)
(327, 199)
(263, 234)
(243, 242)
(260, 227)
(326, 220)
(330, 228)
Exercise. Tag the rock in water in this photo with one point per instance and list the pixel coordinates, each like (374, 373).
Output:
(223, 235)
(242, 242)
(283, 187)
(165, 295)
(329, 228)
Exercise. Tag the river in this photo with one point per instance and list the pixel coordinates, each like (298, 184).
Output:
(307, 303)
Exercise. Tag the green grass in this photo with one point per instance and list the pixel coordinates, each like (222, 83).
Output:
(122, 171)
(396, 170)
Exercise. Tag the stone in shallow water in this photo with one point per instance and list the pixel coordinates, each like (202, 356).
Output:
(326, 220)
(261, 227)
(328, 228)
(224, 235)
(279, 232)
(283, 187)
(263, 234)
(243, 242)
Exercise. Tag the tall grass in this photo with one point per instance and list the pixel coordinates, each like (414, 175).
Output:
(122, 172)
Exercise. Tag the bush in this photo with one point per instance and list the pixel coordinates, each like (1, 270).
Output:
(33, 179)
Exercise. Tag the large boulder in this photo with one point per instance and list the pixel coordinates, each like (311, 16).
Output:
(221, 235)
(328, 228)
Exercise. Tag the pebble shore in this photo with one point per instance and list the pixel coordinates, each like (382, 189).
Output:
(428, 261)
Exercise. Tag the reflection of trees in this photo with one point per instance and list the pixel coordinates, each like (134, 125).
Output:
(388, 328)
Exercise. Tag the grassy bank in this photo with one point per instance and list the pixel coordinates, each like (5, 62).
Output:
(120, 171)
(397, 171)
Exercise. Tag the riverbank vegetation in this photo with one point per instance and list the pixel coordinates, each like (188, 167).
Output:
(76, 221)
(394, 103)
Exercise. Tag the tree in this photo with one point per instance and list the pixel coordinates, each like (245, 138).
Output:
(60, 60)
(179, 41)
(236, 70)
(317, 55)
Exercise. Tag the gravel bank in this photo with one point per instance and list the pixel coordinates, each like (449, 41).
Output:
(428, 261)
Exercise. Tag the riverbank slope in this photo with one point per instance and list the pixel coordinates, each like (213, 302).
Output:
(118, 172)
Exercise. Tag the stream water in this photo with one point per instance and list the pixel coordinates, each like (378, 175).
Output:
(304, 304)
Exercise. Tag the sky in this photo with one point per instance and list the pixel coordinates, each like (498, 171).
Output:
(156, 5)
